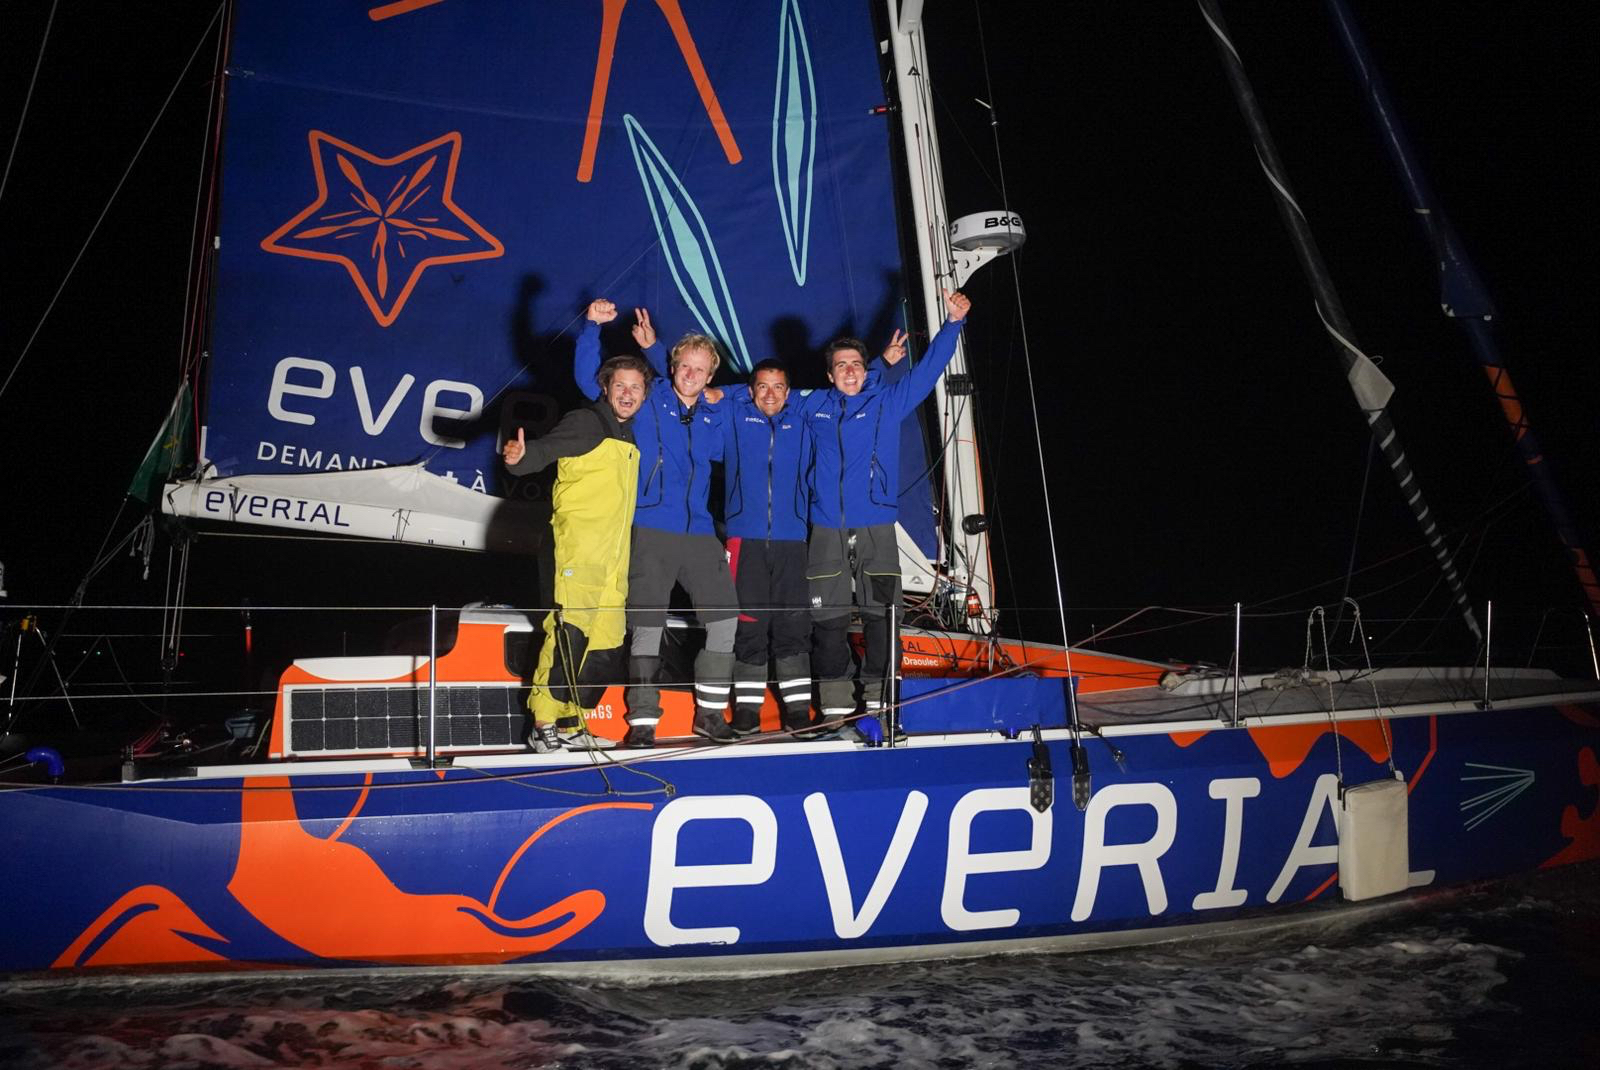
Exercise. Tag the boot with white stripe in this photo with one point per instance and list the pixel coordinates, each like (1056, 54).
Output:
(794, 690)
(713, 681)
(643, 700)
(838, 710)
(749, 690)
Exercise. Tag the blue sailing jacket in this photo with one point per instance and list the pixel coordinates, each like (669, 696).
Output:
(677, 444)
(764, 456)
(767, 459)
(855, 441)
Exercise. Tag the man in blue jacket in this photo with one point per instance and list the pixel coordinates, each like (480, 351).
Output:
(766, 503)
(853, 555)
(764, 512)
(673, 539)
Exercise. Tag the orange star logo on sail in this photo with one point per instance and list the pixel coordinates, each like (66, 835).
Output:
(386, 220)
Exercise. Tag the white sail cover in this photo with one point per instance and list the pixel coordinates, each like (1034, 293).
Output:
(403, 504)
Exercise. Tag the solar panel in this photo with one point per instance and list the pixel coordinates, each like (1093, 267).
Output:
(389, 719)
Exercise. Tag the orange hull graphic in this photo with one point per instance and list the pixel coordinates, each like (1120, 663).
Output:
(333, 900)
(1285, 746)
(1578, 715)
(1584, 832)
(155, 928)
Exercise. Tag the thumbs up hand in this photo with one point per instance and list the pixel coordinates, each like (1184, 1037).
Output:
(956, 304)
(515, 448)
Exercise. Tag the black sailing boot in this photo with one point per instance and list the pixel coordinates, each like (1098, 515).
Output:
(794, 688)
(713, 679)
(749, 689)
(839, 709)
(643, 700)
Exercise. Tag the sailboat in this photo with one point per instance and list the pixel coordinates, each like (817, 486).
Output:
(415, 198)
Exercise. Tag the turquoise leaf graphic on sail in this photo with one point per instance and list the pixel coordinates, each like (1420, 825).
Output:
(1511, 783)
(686, 241)
(794, 137)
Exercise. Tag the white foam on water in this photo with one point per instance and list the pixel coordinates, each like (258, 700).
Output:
(305, 1035)
(1411, 990)
(197, 1049)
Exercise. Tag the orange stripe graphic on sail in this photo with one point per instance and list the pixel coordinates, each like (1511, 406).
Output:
(399, 7)
(610, 21)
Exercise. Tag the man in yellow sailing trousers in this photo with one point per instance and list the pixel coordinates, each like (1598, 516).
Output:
(597, 472)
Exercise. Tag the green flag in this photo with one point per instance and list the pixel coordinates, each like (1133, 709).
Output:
(169, 449)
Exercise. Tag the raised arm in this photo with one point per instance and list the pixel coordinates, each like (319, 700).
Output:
(893, 367)
(909, 392)
(586, 358)
(644, 332)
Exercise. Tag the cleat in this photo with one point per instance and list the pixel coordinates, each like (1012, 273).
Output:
(583, 739)
(544, 739)
(640, 736)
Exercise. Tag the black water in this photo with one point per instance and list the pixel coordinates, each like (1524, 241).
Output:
(1505, 976)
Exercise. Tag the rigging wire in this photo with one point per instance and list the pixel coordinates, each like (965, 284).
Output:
(977, 160)
(101, 559)
(1485, 516)
(1372, 400)
(22, 119)
(1355, 535)
(996, 456)
(197, 283)
(1027, 353)
(196, 255)
(104, 211)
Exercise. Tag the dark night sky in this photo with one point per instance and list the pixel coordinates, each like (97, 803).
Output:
(1201, 445)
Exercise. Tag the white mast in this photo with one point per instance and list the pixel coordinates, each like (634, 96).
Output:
(940, 267)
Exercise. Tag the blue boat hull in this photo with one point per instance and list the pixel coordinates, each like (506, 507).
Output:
(767, 856)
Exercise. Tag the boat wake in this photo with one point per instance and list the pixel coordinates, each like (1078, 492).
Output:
(1445, 987)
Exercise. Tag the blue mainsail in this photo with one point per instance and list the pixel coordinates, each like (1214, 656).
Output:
(419, 198)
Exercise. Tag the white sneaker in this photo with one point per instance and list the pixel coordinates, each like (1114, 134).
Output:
(583, 739)
(544, 739)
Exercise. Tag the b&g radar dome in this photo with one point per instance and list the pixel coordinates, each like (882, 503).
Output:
(982, 236)
(1000, 231)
